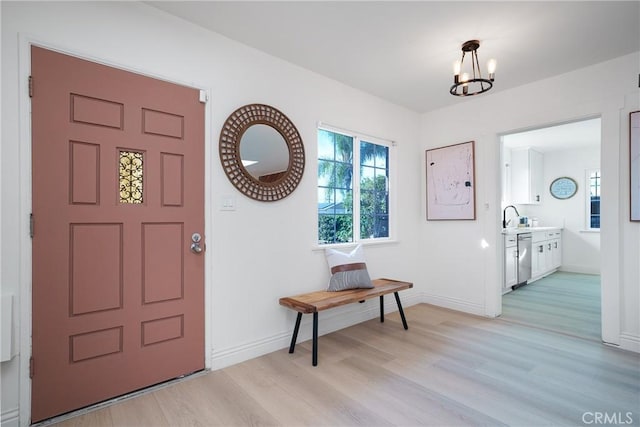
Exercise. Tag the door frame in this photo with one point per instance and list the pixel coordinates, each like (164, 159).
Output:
(25, 42)
(609, 112)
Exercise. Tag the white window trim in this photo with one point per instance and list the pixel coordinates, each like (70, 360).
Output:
(587, 200)
(357, 137)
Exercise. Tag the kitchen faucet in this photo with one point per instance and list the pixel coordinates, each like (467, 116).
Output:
(504, 215)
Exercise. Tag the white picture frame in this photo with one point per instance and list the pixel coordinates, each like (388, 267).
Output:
(450, 174)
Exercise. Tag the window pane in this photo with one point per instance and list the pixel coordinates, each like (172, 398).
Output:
(594, 199)
(343, 148)
(367, 153)
(344, 201)
(131, 179)
(367, 173)
(382, 156)
(343, 176)
(326, 173)
(374, 197)
(335, 228)
(335, 198)
(335, 217)
(325, 198)
(326, 145)
(594, 183)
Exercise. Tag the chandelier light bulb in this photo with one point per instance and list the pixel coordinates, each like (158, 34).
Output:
(465, 85)
(491, 65)
(456, 72)
(456, 68)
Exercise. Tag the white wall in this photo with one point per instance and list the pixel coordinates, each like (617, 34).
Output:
(256, 254)
(580, 249)
(263, 251)
(446, 246)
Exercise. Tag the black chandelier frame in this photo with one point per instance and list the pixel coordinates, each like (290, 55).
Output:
(480, 84)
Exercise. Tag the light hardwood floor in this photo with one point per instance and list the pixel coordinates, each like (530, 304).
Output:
(563, 302)
(448, 369)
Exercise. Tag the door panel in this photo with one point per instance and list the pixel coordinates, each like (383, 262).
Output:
(118, 189)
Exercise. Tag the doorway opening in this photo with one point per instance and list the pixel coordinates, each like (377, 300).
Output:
(551, 194)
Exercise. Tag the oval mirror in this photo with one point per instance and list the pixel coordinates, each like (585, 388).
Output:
(264, 153)
(261, 152)
(563, 188)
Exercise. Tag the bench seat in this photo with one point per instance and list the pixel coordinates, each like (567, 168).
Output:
(314, 302)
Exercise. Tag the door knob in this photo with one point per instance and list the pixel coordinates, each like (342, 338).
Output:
(196, 238)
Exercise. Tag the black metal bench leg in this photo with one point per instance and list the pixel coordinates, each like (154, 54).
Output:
(315, 339)
(381, 308)
(294, 338)
(404, 321)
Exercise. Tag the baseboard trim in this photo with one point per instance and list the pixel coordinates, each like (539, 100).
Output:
(582, 269)
(454, 304)
(331, 321)
(236, 354)
(630, 342)
(10, 418)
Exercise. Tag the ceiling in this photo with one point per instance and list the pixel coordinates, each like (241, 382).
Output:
(574, 135)
(404, 52)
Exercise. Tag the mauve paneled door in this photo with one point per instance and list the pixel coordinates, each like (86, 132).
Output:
(118, 191)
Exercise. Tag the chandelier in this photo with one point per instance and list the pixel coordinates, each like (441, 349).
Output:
(463, 85)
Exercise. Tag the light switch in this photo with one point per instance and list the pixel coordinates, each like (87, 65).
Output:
(228, 203)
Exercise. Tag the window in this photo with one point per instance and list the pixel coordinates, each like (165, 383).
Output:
(593, 199)
(131, 177)
(353, 188)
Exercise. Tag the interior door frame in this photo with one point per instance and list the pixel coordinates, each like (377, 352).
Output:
(609, 113)
(25, 199)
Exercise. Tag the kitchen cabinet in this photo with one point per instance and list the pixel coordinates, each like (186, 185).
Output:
(546, 254)
(556, 250)
(538, 259)
(510, 261)
(526, 176)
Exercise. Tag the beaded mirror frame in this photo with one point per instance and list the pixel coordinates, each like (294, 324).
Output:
(229, 148)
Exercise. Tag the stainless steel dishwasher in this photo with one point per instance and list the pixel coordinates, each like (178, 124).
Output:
(524, 258)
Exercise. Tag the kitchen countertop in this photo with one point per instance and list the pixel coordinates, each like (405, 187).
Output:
(519, 230)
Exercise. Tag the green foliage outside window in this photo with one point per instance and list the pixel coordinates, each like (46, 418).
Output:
(374, 214)
(335, 228)
(335, 192)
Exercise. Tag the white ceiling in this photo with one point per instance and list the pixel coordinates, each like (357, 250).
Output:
(403, 51)
(575, 135)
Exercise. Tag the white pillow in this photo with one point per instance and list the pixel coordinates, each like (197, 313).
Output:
(348, 270)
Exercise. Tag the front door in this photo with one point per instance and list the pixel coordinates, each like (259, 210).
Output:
(118, 192)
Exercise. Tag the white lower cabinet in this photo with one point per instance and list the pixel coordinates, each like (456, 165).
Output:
(556, 250)
(546, 254)
(538, 258)
(510, 261)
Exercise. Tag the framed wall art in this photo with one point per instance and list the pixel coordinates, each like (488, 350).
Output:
(634, 166)
(451, 191)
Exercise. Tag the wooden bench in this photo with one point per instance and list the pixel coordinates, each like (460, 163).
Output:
(314, 302)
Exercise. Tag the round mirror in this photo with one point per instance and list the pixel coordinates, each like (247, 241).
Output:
(261, 152)
(264, 153)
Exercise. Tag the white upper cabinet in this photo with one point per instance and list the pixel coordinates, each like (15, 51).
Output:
(526, 170)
